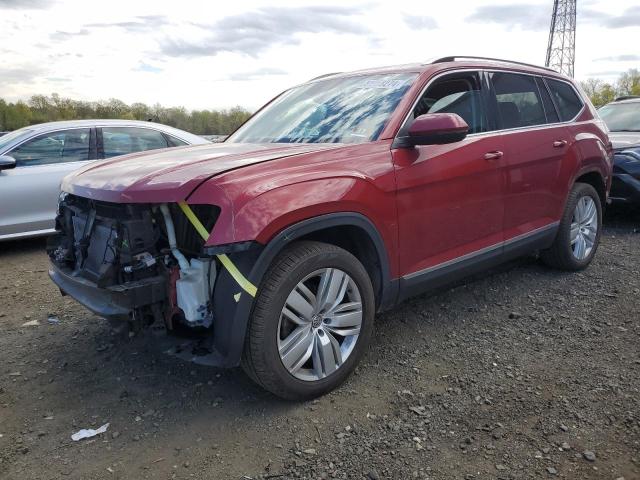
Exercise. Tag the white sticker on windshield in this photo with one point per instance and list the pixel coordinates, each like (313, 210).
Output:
(386, 83)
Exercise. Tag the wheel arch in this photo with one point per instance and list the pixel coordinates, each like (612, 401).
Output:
(597, 181)
(329, 228)
(351, 231)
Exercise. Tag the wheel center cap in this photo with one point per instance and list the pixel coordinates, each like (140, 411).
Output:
(316, 321)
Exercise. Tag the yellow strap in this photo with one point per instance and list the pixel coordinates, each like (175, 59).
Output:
(246, 285)
(194, 220)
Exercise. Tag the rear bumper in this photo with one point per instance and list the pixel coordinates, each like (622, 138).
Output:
(112, 302)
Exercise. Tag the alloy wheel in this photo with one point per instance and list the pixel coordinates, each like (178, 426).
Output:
(319, 324)
(584, 227)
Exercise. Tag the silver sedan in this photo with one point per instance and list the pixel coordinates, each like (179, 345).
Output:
(34, 159)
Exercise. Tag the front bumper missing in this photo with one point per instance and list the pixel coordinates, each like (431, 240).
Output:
(116, 301)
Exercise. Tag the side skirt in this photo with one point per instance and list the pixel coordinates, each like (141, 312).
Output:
(475, 262)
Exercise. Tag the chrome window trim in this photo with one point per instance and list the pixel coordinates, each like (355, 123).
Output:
(144, 127)
(7, 149)
(497, 70)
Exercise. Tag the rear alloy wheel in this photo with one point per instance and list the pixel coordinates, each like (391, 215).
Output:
(311, 323)
(584, 228)
(579, 231)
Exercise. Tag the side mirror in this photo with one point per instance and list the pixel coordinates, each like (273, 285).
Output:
(7, 162)
(434, 129)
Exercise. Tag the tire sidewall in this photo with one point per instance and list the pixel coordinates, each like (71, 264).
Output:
(334, 259)
(580, 190)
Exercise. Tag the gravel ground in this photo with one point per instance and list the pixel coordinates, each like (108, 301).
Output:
(521, 373)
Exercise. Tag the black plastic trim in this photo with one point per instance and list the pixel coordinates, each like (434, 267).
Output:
(230, 248)
(111, 302)
(242, 310)
(475, 262)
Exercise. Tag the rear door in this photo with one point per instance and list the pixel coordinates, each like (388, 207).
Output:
(450, 197)
(535, 144)
(29, 192)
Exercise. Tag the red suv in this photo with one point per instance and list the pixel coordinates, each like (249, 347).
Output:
(338, 199)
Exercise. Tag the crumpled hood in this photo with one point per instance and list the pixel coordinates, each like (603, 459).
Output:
(170, 175)
(622, 140)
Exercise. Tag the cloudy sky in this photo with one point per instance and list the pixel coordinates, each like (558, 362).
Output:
(219, 54)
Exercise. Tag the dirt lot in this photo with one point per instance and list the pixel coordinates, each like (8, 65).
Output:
(523, 373)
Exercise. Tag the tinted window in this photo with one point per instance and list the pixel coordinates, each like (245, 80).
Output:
(122, 140)
(351, 109)
(549, 108)
(175, 142)
(567, 101)
(519, 102)
(9, 137)
(460, 94)
(54, 147)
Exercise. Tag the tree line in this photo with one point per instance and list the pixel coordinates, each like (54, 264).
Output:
(601, 92)
(42, 108)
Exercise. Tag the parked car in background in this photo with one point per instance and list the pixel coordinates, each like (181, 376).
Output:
(342, 197)
(34, 159)
(623, 119)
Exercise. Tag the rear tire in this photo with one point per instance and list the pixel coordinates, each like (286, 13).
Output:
(579, 231)
(311, 323)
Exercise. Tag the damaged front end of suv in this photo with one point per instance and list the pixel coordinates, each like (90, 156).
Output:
(147, 264)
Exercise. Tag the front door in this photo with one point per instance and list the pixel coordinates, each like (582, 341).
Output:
(29, 192)
(450, 197)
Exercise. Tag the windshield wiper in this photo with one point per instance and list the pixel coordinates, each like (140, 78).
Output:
(625, 130)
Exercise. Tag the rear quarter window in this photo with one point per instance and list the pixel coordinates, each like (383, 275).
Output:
(566, 99)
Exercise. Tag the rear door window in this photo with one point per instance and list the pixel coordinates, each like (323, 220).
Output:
(54, 147)
(518, 100)
(122, 140)
(565, 98)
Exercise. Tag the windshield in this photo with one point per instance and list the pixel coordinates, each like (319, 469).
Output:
(621, 117)
(11, 136)
(341, 110)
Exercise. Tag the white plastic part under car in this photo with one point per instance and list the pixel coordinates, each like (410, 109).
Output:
(194, 291)
(196, 280)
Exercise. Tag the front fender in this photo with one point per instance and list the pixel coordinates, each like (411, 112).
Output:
(260, 218)
(264, 216)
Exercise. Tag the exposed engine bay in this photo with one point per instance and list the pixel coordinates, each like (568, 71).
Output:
(147, 257)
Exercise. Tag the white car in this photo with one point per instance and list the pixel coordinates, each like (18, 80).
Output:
(34, 159)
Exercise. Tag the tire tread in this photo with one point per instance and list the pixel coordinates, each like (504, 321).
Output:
(280, 270)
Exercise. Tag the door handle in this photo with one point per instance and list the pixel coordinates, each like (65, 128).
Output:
(559, 143)
(493, 155)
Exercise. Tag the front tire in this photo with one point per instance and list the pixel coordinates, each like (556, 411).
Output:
(579, 231)
(311, 323)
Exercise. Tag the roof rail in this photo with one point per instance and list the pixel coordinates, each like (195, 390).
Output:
(325, 75)
(471, 57)
(626, 97)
